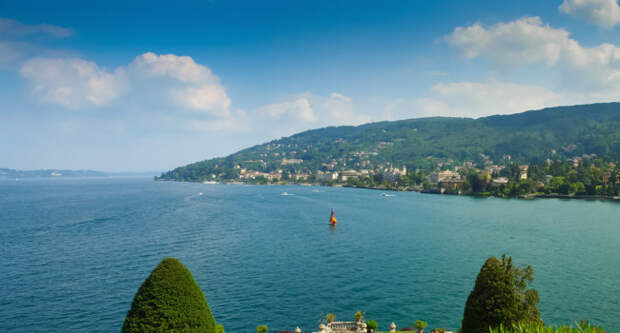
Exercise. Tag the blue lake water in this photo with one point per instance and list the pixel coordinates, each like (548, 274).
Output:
(75, 251)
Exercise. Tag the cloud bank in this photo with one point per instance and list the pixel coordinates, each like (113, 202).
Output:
(171, 84)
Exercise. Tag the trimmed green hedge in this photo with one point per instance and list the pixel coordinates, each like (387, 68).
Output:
(170, 300)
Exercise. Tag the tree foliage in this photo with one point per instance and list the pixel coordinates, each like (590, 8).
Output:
(372, 324)
(170, 300)
(500, 297)
(420, 325)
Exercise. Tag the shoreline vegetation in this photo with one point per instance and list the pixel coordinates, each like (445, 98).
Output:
(501, 301)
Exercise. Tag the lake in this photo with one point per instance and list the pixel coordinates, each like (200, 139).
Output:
(75, 251)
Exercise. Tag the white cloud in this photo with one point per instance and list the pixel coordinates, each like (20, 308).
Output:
(474, 100)
(190, 85)
(152, 81)
(523, 41)
(528, 41)
(340, 111)
(604, 13)
(306, 111)
(207, 97)
(297, 110)
(11, 29)
(237, 122)
(180, 68)
(72, 83)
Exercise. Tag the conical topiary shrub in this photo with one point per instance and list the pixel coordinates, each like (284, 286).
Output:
(169, 300)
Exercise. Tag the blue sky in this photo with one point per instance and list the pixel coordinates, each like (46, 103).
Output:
(149, 86)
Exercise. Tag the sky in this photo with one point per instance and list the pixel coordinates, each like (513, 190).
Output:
(149, 86)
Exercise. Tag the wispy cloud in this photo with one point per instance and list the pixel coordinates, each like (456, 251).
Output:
(297, 110)
(15, 40)
(14, 29)
(473, 100)
(306, 111)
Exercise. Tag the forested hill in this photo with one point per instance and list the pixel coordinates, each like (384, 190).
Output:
(426, 143)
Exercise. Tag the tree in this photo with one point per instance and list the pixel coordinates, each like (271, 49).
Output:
(420, 325)
(477, 182)
(500, 296)
(170, 300)
(372, 325)
(262, 329)
(358, 316)
(330, 317)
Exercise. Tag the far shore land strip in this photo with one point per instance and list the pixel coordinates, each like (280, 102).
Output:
(506, 180)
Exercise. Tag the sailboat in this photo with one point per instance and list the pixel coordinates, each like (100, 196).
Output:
(332, 219)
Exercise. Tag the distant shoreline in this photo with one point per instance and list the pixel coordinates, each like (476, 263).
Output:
(524, 197)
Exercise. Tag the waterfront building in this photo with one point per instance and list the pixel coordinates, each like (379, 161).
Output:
(523, 171)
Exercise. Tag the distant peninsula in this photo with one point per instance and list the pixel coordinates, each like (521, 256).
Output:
(568, 151)
(6, 173)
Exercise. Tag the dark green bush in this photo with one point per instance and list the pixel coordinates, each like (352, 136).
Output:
(500, 297)
(420, 325)
(170, 300)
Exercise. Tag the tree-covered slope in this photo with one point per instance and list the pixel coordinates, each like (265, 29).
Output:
(528, 137)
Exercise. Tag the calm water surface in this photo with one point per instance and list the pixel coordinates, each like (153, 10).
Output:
(75, 252)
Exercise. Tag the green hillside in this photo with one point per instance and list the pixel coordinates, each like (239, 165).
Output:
(530, 137)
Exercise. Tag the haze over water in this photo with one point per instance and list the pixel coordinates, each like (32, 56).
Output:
(75, 252)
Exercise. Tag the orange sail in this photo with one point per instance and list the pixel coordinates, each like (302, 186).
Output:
(332, 220)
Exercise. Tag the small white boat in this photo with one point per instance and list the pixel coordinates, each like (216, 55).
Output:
(286, 194)
(386, 195)
(200, 193)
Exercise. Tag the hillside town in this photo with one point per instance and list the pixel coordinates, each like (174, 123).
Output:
(577, 176)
